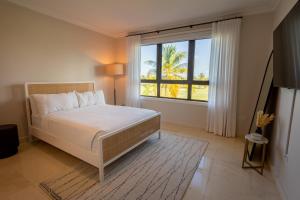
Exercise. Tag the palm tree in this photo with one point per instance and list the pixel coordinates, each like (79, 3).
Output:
(202, 77)
(172, 68)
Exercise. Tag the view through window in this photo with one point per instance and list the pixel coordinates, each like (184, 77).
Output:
(177, 70)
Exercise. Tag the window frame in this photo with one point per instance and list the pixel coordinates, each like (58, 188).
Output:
(190, 73)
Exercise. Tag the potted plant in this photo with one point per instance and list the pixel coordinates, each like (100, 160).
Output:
(262, 120)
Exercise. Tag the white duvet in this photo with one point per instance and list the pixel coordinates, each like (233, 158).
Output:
(81, 126)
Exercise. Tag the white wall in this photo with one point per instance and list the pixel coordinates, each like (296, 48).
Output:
(183, 113)
(255, 48)
(286, 169)
(293, 161)
(35, 47)
(121, 57)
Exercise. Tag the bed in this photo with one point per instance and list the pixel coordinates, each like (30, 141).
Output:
(97, 134)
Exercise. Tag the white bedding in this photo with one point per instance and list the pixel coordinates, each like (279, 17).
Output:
(82, 125)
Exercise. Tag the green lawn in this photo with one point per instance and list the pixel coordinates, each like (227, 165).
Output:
(199, 92)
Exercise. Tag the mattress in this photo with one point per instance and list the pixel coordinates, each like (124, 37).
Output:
(82, 126)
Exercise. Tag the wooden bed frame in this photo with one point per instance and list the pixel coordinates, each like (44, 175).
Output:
(110, 146)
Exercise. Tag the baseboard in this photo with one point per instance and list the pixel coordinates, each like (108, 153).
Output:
(277, 182)
(183, 125)
(23, 139)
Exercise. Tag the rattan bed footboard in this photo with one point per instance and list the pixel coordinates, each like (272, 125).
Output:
(118, 143)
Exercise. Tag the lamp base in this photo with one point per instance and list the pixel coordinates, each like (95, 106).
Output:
(115, 96)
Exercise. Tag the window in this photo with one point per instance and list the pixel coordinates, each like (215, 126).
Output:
(177, 70)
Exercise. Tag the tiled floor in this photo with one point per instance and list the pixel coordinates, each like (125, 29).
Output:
(219, 176)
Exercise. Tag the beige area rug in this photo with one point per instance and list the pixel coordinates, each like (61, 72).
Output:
(157, 169)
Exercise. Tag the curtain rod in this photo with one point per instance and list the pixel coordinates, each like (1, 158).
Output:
(186, 26)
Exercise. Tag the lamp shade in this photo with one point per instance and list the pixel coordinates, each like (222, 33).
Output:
(114, 69)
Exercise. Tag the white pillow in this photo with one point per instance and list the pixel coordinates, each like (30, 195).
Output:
(91, 98)
(86, 99)
(38, 104)
(73, 98)
(48, 103)
(57, 102)
(100, 99)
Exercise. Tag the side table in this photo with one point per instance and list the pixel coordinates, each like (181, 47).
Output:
(9, 140)
(246, 164)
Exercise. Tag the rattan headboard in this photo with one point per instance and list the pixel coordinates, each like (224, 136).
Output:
(54, 88)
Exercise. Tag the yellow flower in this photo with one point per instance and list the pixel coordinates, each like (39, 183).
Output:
(263, 119)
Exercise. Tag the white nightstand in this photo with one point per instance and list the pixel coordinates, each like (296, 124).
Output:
(263, 141)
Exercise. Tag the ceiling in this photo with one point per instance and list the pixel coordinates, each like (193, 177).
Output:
(119, 17)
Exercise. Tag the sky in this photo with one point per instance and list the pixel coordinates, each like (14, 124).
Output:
(147, 53)
(202, 55)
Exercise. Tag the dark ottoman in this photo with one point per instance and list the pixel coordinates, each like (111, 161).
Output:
(9, 140)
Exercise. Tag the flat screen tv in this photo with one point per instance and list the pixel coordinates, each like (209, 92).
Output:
(286, 46)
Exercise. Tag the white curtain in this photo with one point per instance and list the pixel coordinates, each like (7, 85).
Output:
(223, 78)
(133, 71)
